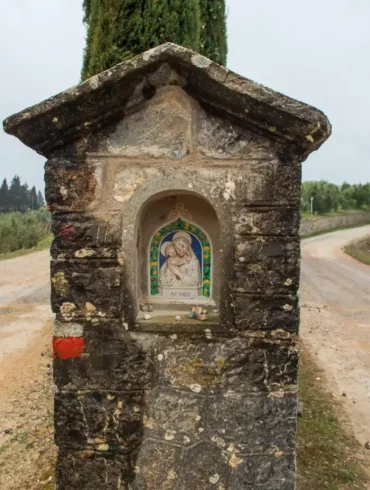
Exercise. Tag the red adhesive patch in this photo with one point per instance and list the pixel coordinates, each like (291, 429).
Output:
(67, 232)
(67, 347)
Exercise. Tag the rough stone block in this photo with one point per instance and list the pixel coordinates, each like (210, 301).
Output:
(71, 185)
(219, 138)
(252, 424)
(80, 236)
(106, 365)
(270, 183)
(85, 288)
(102, 420)
(157, 466)
(207, 465)
(203, 367)
(87, 470)
(266, 221)
(260, 312)
(266, 265)
(171, 416)
(282, 365)
(264, 472)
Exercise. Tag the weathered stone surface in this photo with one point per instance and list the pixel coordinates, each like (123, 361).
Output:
(282, 365)
(87, 470)
(207, 464)
(171, 416)
(104, 420)
(260, 312)
(218, 137)
(230, 420)
(272, 183)
(85, 288)
(241, 365)
(71, 186)
(266, 221)
(106, 365)
(268, 265)
(80, 236)
(270, 472)
(157, 466)
(253, 424)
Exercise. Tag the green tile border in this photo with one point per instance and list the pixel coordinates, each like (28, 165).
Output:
(154, 252)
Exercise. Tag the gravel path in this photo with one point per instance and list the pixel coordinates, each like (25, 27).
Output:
(24, 300)
(27, 452)
(335, 320)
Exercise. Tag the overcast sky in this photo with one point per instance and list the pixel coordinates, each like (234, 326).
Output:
(317, 52)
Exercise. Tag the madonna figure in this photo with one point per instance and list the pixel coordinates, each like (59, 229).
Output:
(182, 268)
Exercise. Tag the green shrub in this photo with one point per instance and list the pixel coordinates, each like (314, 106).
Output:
(23, 230)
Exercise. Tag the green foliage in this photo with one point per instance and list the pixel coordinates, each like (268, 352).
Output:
(213, 38)
(360, 250)
(329, 197)
(40, 200)
(18, 197)
(117, 30)
(23, 230)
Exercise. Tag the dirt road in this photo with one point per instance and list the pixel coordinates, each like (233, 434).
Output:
(27, 452)
(24, 300)
(335, 320)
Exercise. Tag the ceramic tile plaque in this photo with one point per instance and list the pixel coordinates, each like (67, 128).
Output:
(180, 262)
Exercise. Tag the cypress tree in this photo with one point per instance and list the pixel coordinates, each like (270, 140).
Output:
(33, 201)
(15, 194)
(117, 30)
(213, 37)
(4, 197)
(40, 200)
(172, 20)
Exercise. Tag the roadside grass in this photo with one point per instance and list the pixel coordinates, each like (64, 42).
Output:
(359, 249)
(42, 245)
(307, 215)
(47, 477)
(327, 454)
(330, 230)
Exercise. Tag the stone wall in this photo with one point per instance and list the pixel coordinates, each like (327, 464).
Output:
(323, 223)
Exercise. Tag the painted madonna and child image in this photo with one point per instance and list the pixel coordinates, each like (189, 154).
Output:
(182, 267)
(182, 264)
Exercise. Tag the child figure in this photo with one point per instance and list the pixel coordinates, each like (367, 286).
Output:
(170, 270)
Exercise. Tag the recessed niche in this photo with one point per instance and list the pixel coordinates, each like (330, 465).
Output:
(178, 252)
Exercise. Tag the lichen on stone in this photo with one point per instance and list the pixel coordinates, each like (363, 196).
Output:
(60, 283)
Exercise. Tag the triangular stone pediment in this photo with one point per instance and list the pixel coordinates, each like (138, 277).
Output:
(116, 93)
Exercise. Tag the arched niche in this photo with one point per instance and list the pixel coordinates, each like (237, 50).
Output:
(178, 251)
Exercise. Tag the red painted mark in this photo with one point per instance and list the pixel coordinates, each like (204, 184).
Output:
(67, 233)
(67, 347)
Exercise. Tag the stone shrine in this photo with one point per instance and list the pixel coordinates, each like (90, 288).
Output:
(174, 183)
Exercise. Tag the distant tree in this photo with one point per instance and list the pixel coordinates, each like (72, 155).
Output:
(117, 30)
(24, 200)
(330, 197)
(18, 197)
(4, 197)
(33, 201)
(15, 194)
(40, 200)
